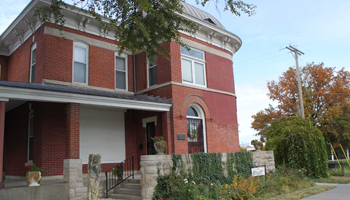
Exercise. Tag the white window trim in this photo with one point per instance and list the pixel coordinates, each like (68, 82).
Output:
(30, 115)
(193, 60)
(126, 71)
(31, 63)
(148, 67)
(202, 117)
(85, 46)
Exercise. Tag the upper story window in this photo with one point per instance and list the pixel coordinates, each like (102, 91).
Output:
(32, 63)
(121, 72)
(193, 66)
(152, 72)
(80, 62)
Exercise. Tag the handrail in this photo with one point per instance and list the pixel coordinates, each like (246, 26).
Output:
(119, 173)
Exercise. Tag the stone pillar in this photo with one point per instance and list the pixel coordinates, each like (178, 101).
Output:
(72, 174)
(2, 134)
(264, 158)
(149, 172)
(93, 178)
(72, 124)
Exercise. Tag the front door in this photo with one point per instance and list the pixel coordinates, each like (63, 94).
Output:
(151, 132)
(195, 135)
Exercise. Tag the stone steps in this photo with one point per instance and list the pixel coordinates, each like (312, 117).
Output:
(129, 190)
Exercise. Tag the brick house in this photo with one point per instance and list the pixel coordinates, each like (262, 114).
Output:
(66, 97)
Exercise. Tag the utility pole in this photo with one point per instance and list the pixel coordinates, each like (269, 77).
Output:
(296, 53)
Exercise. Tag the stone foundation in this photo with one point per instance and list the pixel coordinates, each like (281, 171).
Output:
(150, 164)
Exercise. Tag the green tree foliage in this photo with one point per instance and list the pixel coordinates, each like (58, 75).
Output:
(140, 25)
(298, 144)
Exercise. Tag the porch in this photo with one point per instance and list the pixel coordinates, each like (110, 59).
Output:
(47, 123)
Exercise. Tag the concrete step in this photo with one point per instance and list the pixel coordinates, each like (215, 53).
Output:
(134, 181)
(135, 186)
(123, 196)
(128, 191)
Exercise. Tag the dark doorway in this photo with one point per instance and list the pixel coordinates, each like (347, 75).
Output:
(151, 132)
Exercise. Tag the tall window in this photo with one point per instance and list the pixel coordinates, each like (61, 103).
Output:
(80, 62)
(152, 71)
(32, 63)
(121, 72)
(195, 129)
(30, 135)
(193, 66)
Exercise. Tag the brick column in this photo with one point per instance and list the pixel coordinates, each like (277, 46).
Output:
(166, 125)
(73, 123)
(2, 133)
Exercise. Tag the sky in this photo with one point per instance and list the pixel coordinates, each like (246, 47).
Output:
(318, 28)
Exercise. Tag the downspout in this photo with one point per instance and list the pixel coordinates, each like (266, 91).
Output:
(133, 62)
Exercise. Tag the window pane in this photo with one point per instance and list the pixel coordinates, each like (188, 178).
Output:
(120, 63)
(120, 80)
(30, 153)
(186, 70)
(152, 76)
(192, 52)
(31, 126)
(199, 72)
(79, 72)
(154, 61)
(191, 112)
(80, 54)
(32, 78)
(33, 56)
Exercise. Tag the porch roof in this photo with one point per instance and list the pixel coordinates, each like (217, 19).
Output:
(75, 94)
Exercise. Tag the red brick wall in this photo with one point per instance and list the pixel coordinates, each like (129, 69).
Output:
(220, 117)
(54, 142)
(19, 61)
(58, 59)
(3, 71)
(49, 138)
(219, 73)
(101, 67)
(141, 71)
(73, 130)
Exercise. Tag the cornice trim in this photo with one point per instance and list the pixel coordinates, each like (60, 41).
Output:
(185, 85)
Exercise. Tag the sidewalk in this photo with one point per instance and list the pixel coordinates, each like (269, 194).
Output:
(341, 192)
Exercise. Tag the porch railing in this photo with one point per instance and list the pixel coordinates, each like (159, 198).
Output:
(119, 173)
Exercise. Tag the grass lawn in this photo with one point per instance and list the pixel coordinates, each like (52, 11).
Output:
(336, 180)
(299, 194)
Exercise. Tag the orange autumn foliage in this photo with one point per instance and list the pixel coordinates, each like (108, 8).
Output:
(325, 93)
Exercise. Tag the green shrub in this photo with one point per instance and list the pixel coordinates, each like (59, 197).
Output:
(299, 145)
(3, 176)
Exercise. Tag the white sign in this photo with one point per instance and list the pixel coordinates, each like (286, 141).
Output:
(258, 171)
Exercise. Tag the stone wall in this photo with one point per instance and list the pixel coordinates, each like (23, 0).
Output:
(72, 174)
(150, 164)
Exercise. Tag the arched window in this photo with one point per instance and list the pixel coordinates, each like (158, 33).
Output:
(195, 129)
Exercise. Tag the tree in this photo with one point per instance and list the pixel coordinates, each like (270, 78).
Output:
(325, 96)
(296, 143)
(140, 25)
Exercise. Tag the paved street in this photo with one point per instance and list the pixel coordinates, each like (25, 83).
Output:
(341, 192)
